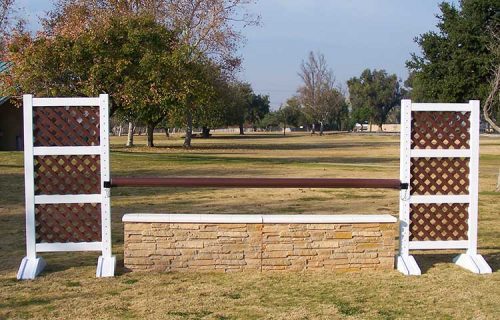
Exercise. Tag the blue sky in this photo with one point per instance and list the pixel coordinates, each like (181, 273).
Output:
(352, 34)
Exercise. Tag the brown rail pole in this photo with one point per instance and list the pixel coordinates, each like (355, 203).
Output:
(203, 182)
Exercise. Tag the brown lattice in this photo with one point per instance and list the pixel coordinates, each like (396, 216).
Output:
(68, 222)
(438, 221)
(67, 174)
(440, 130)
(66, 126)
(439, 176)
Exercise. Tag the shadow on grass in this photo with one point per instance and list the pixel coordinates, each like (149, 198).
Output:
(284, 146)
(427, 261)
(249, 136)
(199, 159)
(23, 302)
(220, 143)
(11, 189)
(60, 261)
(11, 166)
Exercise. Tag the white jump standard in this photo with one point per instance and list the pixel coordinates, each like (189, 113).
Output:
(66, 161)
(439, 160)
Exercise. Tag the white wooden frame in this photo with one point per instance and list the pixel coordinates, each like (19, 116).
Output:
(470, 259)
(32, 264)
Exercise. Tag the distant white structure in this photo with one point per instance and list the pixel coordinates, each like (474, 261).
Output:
(389, 127)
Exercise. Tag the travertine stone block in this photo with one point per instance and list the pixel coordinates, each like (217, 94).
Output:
(238, 247)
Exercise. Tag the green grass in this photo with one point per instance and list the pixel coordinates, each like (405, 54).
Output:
(68, 287)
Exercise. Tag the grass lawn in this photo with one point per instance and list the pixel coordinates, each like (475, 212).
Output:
(68, 289)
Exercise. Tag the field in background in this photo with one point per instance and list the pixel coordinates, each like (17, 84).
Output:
(68, 289)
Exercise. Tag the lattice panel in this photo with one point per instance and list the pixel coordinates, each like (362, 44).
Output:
(67, 174)
(66, 126)
(440, 130)
(438, 221)
(433, 176)
(73, 222)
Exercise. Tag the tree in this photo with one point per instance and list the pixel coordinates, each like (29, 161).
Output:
(458, 62)
(290, 113)
(339, 117)
(238, 99)
(317, 94)
(197, 86)
(130, 58)
(270, 120)
(210, 101)
(493, 97)
(244, 106)
(374, 94)
(492, 103)
(258, 107)
(6, 11)
(207, 29)
(10, 23)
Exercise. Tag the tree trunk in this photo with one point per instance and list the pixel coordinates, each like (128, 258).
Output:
(313, 128)
(150, 129)
(130, 135)
(120, 128)
(284, 129)
(321, 127)
(205, 132)
(189, 130)
(167, 134)
(242, 131)
(495, 88)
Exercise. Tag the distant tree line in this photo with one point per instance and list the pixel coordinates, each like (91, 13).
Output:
(459, 62)
(172, 64)
(321, 103)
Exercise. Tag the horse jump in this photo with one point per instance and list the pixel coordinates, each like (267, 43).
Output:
(68, 182)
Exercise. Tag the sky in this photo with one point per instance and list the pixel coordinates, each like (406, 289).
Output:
(352, 35)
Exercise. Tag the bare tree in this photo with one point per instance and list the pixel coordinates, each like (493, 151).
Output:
(318, 94)
(6, 7)
(7, 11)
(208, 27)
(494, 96)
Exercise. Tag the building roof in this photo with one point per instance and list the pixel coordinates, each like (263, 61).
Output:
(4, 66)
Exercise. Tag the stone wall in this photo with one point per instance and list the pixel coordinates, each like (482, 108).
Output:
(166, 246)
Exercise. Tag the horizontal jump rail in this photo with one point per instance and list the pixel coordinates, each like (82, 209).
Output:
(202, 182)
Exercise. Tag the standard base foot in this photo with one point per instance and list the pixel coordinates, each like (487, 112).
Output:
(106, 267)
(408, 266)
(473, 262)
(30, 268)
